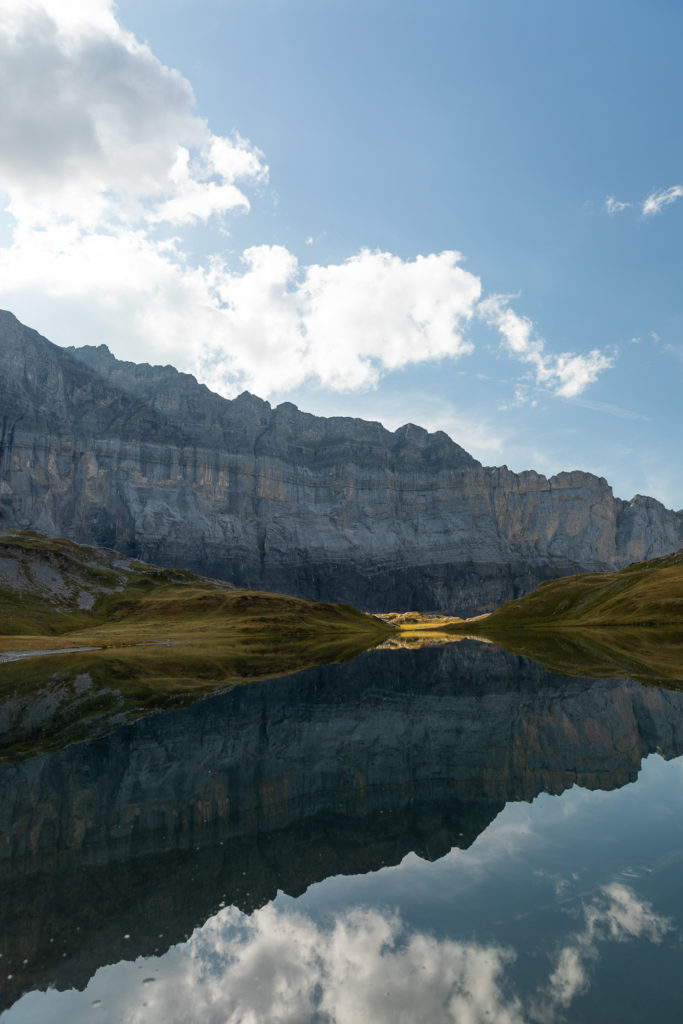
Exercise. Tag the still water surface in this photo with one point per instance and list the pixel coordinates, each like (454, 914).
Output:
(439, 835)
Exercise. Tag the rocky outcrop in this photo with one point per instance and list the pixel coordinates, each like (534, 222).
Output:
(149, 462)
(278, 785)
(70, 577)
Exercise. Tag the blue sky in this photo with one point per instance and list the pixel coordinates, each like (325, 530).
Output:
(271, 195)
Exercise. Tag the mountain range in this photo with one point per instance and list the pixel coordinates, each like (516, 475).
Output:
(147, 461)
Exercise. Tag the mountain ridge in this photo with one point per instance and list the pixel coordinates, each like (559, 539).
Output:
(150, 462)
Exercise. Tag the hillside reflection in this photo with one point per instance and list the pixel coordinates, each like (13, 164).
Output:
(122, 846)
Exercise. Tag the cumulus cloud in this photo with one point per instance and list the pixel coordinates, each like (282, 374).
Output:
(656, 201)
(94, 128)
(340, 325)
(102, 157)
(270, 326)
(566, 374)
(104, 163)
(282, 966)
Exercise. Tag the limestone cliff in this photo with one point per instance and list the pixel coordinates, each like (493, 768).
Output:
(149, 462)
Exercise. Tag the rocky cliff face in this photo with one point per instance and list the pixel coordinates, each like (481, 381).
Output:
(278, 785)
(149, 462)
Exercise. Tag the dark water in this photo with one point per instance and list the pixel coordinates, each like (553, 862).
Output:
(451, 834)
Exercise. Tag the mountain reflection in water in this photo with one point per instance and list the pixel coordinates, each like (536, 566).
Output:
(122, 847)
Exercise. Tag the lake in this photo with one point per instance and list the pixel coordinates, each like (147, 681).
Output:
(452, 834)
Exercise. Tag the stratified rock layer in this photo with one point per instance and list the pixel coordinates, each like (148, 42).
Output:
(147, 461)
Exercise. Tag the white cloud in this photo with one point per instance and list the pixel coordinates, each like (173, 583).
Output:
(624, 916)
(613, 205)
(656, 201)
(104, 162)
(95, 129)
(341, 325)
(102, 153)
(283, 967)
(197, 196)
(269, 327)
(616, 913)
(566, 374)
(72, 18)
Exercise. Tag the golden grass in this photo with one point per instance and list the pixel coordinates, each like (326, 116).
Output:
(218, 637)
(643, 594)
(627, 623)
(245, 621)
(135, 603)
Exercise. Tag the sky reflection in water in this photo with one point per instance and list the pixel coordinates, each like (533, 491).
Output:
(565, 909)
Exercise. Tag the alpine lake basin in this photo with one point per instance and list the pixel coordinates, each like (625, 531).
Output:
(450, 834)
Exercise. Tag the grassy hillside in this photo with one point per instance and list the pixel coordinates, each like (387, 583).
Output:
(158, 639)
(627, 623)
(55, 593)
(643, 594)
(51, 586)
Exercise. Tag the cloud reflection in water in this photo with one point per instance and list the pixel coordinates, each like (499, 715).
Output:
(616, 913)
(280, 966)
